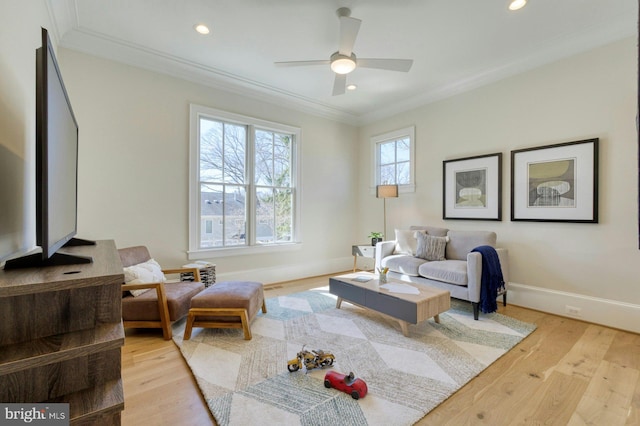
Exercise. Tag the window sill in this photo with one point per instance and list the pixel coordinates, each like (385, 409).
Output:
(242, 251)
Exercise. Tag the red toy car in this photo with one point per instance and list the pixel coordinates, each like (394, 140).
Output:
(346, 383)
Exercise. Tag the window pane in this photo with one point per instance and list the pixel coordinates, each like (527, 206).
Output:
(403, 173)
(210, 150)
(235, 142)
(264, 158)
(211, 215)
(265, 215)
(387, 153)
(274, 219)
(388, 175)
(403, 151)
(394, 161)
(282, 160)
(272, 159)
(284, 217)
(235, 215)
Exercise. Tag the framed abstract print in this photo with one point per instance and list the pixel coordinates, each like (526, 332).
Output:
(555, 183)
(472, 188)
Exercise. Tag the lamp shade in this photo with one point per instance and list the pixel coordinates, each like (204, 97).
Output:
(387, 191)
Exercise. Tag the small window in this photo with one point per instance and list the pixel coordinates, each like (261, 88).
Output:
(394, 159)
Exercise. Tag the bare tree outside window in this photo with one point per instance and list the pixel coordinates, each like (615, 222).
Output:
(395, 161)
(223, 148)
(273, 185)
(230, 183)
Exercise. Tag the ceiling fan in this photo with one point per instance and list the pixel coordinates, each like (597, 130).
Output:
(344, 60)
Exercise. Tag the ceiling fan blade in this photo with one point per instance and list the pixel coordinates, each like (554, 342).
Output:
(349, 28)
(339, 84)
(302, 63)
(403, 65)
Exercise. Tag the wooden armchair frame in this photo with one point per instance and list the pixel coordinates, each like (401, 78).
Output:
(165, 320)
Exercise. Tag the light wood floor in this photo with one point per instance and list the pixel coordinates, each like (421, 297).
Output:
(567, 372)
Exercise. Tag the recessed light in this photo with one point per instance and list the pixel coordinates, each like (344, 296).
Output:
(517, 4)
(352, 87)
(202, 29)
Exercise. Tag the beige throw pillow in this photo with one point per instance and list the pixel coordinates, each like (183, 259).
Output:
(142, 273)
(406, 242)
(429, 247)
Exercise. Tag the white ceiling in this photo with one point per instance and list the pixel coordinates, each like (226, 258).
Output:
(455, 45)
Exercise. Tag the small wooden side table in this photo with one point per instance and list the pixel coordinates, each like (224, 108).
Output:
(362, 251)
(207, 273)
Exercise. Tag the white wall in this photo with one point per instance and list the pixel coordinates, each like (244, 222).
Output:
(134, 147)
(589, 266)
(134, 159)
(20, 24)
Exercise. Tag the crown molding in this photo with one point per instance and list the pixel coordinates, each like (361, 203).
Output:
(591, 38)
(63, 15)
(70, 34)
(97, 44)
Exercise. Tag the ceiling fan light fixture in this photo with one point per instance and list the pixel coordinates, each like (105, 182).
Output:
(202, 29)
(341, 64)
(344, 61)
(517, 4)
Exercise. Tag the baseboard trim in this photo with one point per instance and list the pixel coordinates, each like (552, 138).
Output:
(288, 272)
(610, 313)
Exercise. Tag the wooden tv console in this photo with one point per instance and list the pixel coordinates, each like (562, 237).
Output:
(61, 335)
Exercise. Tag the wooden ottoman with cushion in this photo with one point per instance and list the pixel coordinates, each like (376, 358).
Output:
(229, 304)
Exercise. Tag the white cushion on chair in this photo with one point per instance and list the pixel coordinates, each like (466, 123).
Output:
(142, 273)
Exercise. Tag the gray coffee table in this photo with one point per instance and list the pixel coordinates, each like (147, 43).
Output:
(406, 308)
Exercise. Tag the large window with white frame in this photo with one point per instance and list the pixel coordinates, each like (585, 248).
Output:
(394, 159)
(244, 183)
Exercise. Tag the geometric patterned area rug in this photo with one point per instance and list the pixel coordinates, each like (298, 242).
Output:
(247, 382)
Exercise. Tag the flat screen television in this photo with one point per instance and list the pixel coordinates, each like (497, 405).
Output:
(56, 167)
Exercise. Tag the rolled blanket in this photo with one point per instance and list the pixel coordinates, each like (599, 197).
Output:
(492, 280)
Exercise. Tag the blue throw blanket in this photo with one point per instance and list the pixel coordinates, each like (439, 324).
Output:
(492, 279)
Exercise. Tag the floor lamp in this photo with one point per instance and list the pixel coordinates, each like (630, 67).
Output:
(384, 192)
